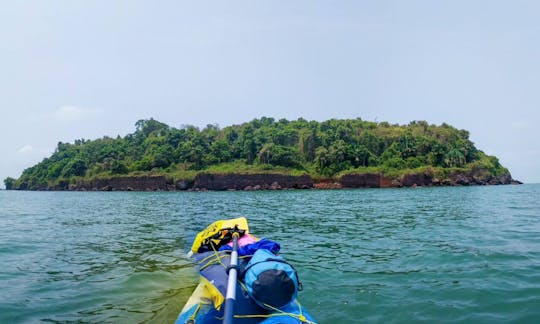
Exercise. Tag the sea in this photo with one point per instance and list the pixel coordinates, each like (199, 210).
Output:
(410, 255)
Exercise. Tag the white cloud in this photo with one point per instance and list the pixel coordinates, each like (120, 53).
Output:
(30, 150)
(75, 113)
(26, 149)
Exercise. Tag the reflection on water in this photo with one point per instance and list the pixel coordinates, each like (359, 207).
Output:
(405, 255)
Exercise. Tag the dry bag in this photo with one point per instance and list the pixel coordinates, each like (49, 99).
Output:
(270, 280)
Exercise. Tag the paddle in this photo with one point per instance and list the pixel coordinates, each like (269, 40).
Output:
(231, 283)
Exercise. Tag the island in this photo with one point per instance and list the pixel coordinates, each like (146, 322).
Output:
(268, 154)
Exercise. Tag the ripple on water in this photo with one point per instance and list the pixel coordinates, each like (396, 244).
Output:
(404, 255)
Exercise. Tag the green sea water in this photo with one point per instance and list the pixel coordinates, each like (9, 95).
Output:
(467, 254)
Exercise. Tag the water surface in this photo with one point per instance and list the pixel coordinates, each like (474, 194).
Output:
(369, 255)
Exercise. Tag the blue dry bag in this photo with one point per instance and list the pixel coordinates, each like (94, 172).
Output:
(270, 280)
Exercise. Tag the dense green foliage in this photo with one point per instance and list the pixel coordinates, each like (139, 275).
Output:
(322, 149)
(9, 182)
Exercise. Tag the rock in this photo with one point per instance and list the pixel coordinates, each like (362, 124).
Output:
(494, 181)
(505, 179)
(275, 186)
(462, 180)
(327, 184)
(62, 185)
(478, 180)
(447, 182)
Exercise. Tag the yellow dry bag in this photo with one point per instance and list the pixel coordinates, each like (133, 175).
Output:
(218, 234)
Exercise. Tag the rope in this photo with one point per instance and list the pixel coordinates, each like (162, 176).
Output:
(194, 315)
(299, 316)
(203, 260)
(218, 257)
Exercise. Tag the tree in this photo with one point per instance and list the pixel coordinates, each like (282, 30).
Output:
(307, 144)
(363, 157)
(9, 182)
(321, 159)
(220, 151)
(391, 158)
(249, 148)
(118, 167)
(285, 156)
(149, 126)
(454, 158)
(75, 167)
(266, 153)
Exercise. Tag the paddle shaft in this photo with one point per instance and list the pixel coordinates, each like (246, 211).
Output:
(231, 283)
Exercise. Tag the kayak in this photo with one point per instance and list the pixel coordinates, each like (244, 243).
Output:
(263, 285)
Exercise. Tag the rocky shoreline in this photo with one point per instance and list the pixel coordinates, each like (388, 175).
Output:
(252, 182)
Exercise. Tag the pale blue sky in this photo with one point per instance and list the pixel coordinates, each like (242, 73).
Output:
(84, 69)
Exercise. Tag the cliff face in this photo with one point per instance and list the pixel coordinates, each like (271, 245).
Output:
(208, 181)
(376, 180)
(201, 182)
(251, 181)
(365, 180)
(140, 183)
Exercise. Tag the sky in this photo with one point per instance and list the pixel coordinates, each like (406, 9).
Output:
(86, 69)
